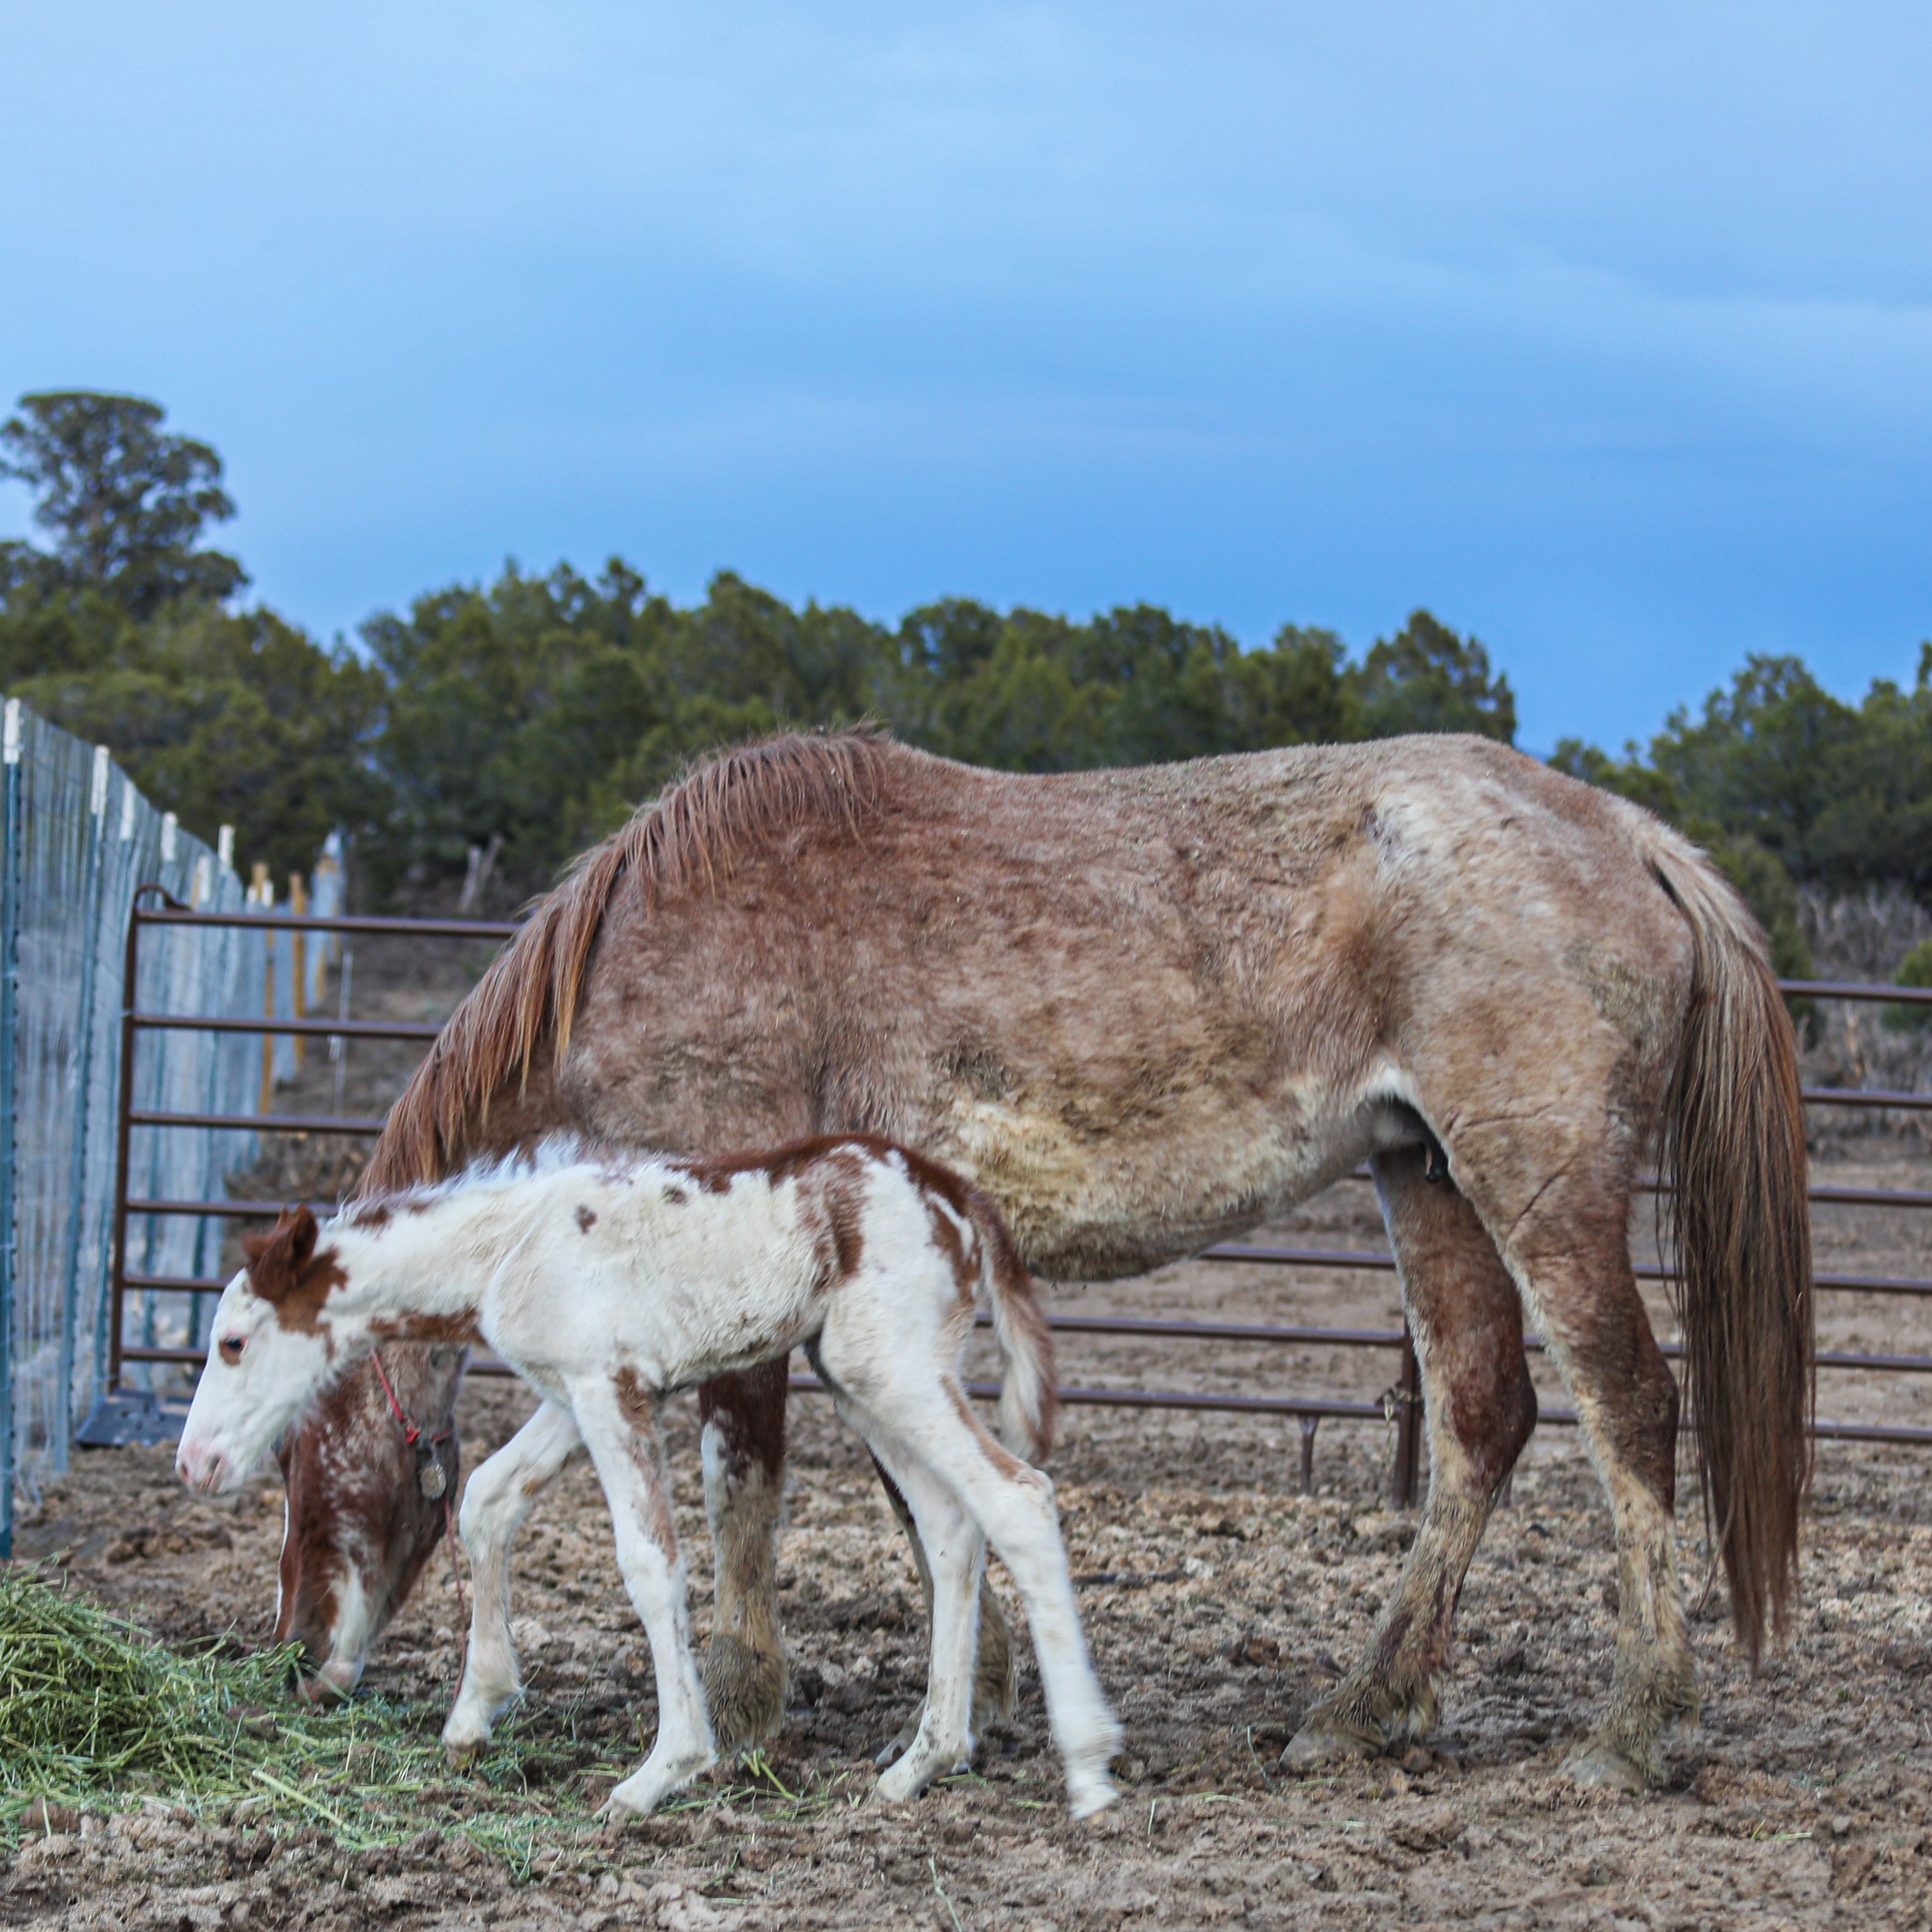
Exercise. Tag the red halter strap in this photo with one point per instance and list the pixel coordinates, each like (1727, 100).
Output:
(412, 1435)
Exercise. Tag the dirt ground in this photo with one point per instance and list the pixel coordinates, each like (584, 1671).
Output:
(1219, 1601)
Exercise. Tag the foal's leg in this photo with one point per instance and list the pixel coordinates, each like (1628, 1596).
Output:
(494, 1506)
(952, 1562)
(996, 1665)
(1479, 1405)
(916, 1419)
(618, 1420)
(743, 1419)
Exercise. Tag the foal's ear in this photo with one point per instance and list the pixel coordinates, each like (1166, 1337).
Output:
(276, 1260)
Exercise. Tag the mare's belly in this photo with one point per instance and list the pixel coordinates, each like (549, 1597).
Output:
(1089, 1205)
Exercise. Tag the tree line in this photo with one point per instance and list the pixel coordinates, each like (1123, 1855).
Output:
(529, 714)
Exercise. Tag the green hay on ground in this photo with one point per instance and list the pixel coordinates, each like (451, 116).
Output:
(88, 1700)
(97, 1714)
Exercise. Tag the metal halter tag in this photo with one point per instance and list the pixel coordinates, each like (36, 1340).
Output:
(429, 1471)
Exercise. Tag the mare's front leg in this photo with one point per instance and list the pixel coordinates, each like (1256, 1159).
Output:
(1466, 1316)
(619, 1418)
(996, 1662)
(743, 1443)
(494, 1506)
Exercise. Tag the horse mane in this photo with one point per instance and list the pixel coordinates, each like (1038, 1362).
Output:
(694, 830)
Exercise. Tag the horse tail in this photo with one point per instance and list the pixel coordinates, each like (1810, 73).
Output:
(1733, 1153)
(1029, 1396)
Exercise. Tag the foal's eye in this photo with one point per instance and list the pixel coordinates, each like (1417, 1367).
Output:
(232, 1346)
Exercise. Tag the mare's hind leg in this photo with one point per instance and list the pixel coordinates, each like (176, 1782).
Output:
(619, 1420)
(1479, 1407)
(743, 1419)
(494, 1506)
(996, 1665)
(1572, 1255)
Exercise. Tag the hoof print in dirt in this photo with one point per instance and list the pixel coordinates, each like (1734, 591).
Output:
(1433, 1830)
(1253, 1648)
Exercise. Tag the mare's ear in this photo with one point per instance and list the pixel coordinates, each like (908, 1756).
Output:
(276, 1260)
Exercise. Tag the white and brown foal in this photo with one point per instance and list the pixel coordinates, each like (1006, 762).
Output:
(606, 1281)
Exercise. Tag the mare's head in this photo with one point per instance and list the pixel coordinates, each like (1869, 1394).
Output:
(274, 1347)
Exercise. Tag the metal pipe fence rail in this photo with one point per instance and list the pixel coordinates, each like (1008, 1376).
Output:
(1399, 1406)
(136, 1020)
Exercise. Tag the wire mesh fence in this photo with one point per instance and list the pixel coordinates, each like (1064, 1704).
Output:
(77, 842)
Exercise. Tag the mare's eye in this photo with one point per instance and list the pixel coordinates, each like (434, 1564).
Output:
(232, 1346)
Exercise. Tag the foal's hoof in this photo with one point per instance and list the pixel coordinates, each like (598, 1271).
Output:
(744, 1691)
(893, 1749)
(904, 1780)
(1089, 1793)
(1598, 1765)
(646, 1788)
(465, 1732)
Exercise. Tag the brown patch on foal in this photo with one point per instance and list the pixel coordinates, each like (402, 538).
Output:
(639, 1408)
(715, 1173)
(946, 1235)
(845, 1217)
(586, 1219)
(841, 1203)
(635, 1402)
(995, 1452)
(455, 1331)
(286, 1272)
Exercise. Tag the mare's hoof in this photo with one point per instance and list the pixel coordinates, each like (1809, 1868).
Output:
(744, 1691)
(1317, 1745)
(1600, 1765)
(996, 1672)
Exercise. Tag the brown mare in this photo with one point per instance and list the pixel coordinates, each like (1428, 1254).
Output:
(1146, 1010)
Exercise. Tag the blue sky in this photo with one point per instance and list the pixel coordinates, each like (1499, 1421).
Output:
(1604, 330)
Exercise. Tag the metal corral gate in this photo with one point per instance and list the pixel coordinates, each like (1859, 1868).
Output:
(1399, 1406)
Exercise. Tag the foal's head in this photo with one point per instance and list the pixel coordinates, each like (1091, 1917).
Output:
(274, 1346)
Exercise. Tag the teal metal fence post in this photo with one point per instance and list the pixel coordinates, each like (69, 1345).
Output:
(10, 1004)
(83, 1057)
